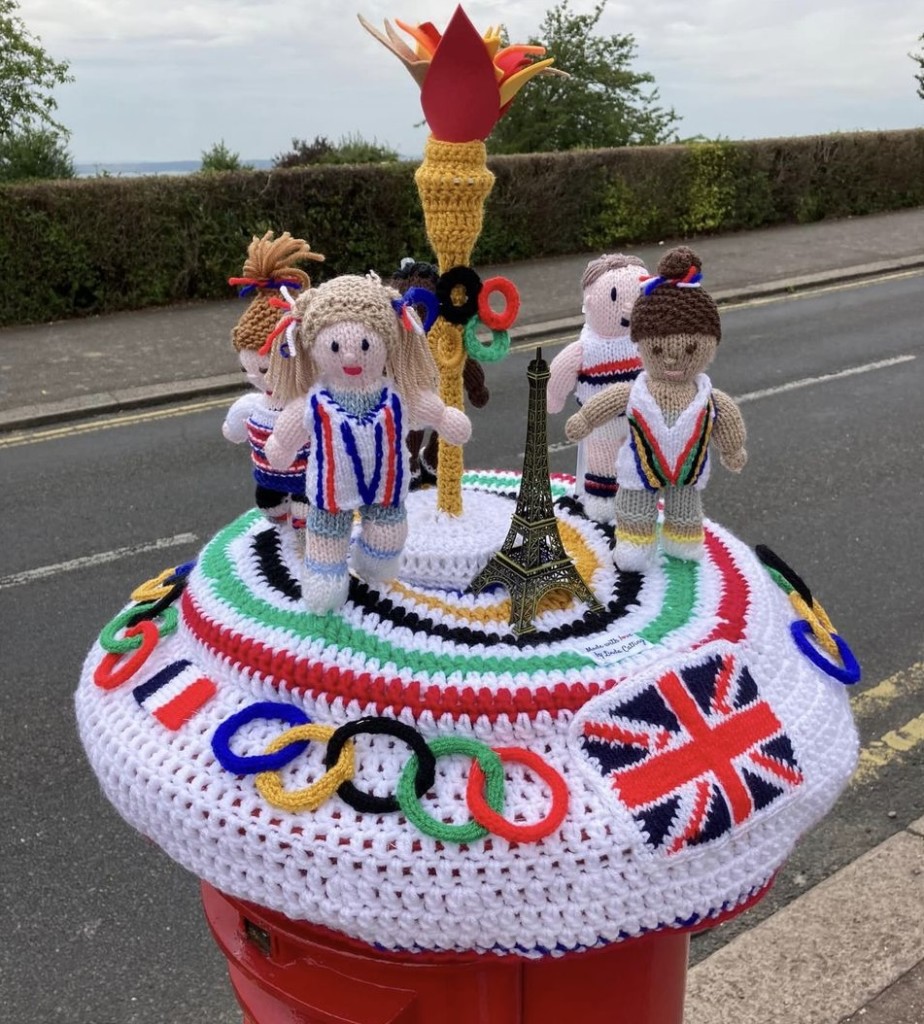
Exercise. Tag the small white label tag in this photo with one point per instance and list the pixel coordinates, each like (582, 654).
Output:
(608, 650)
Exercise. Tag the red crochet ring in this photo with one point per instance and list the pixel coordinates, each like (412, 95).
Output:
(504, 320)
(496, 823)
(107, 676)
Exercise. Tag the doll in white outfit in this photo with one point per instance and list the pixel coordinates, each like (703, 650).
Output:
(673, 414)
(603, 354)
(356, 384)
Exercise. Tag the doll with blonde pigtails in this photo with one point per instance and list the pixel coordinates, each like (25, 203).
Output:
(270, 277)
(673, 413)
(603, 354)
(360, 378)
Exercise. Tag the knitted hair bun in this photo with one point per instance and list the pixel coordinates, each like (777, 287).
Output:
(676, 262)
(668, 309)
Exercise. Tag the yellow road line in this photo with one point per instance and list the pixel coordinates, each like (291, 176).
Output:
(128, 419)
(891, 746)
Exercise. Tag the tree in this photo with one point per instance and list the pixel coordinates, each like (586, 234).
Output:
(351, 149)
(220, 158)
(604, 102)
(34, 154)
(27, 77)
(918, 58)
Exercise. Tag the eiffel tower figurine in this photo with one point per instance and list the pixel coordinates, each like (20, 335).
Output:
(532, 560)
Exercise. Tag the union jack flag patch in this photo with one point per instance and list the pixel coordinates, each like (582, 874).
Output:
(691, 752)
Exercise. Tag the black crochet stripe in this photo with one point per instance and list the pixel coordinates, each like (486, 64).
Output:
(271, 566)
(628, 587)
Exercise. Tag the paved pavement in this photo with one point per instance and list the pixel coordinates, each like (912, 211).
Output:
(869, 913)
(76, 368)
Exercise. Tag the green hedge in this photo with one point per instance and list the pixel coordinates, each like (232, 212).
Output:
(98, 245)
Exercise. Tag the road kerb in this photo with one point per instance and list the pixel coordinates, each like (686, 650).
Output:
(827, 954)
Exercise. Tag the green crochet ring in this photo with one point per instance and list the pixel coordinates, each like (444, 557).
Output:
(492, 353)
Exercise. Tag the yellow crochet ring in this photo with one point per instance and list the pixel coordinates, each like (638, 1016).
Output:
(818, 620)
(269, 784)
(154, 589)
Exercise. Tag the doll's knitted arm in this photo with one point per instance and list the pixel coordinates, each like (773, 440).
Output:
(729, 432)
(288, 436)
(605, 406)
(563, 374)
(234, 428)
(451, 424)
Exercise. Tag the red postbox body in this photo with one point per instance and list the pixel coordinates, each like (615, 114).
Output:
(291, 972)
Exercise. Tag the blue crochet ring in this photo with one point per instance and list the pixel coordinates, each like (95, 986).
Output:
(427, 299)
(239, 765)
(848, 675)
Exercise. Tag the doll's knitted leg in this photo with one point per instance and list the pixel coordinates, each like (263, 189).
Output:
(273, 504)
(377, 555)
(325, 577)
(599, 469)
(636, 519)
(682, 533)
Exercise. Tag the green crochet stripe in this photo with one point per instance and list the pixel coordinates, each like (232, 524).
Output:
(679, 599)
(780, 580)
(509, 483)
(336, 633)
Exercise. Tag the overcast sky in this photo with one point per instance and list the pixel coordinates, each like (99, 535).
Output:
(164, 79)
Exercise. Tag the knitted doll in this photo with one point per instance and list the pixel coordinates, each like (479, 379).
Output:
(365, 381)
(424, 457)
(602, 355)
(673, 413)
(280, 493)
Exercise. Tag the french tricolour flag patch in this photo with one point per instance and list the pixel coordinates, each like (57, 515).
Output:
(175, 694)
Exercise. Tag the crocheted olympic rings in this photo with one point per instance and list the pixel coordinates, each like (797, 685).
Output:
(818, 621)
(366, 803)
(493, 821)
(470, 282)
(492, 767)
(154, 589)
(506, 318)
(109, 673)
(499, 347)
(848, 675)
(131, 640)
(279, 758)
(784, 575)
(311, 797)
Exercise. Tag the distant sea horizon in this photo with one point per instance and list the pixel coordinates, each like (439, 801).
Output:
(129, 169)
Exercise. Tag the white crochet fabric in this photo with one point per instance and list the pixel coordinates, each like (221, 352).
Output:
(603, 711)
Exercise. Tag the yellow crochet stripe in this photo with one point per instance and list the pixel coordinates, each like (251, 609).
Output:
(585, 559)
(683, 535)
(310, 798)
(640, 536)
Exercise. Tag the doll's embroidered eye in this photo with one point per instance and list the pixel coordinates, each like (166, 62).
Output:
(614, 295)
(365, 345)
(691, 348)
(656, 350)
(335, 346)
(263, 369)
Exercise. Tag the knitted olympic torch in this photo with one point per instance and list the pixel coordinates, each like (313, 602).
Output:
(467, 82)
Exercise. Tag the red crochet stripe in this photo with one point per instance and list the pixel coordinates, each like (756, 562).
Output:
(393, 694)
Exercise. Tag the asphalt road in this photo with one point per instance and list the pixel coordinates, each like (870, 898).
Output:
(101, 928)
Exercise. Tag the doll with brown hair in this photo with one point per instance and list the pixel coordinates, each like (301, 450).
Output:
(673, 413)
(425, 456)
(358, 381)
(269, 268)
(603, 354)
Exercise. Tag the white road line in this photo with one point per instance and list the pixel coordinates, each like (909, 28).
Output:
(45, 571)
(793, 385)
(805, 382)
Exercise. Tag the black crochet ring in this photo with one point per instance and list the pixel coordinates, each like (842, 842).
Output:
(366, 803)
(773, 561)
(456, 277)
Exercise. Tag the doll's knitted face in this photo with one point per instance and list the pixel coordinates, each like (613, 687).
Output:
(677, 358)
(608, 301)
(255, 367)
(349, 356)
